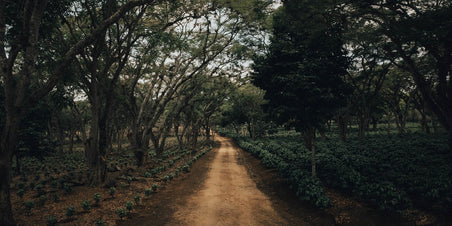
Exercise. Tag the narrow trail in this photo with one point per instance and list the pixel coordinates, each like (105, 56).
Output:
(227, 186)
(228, 197)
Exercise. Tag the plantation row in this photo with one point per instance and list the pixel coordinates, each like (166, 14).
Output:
(45, 184)
(392, 173)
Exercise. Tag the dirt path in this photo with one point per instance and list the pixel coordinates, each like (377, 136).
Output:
(227, 186)
(228, 197)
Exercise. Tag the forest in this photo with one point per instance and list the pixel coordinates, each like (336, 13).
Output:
(104, 103)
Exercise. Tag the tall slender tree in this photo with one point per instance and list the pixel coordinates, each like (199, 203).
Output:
(302, 70)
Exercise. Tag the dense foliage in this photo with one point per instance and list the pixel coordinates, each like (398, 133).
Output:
(392, 173)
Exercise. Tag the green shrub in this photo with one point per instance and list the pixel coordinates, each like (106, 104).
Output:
(21, 185)
(70, 211)
(185, 168)
(147, 192)
(52, 220)
(112, 191)
(67, 187)
(39, 189)
(154, 187)
(20, 192)
(42, 200)
(129, 205)
(137, 198)
(54, 184)
(28, 206)
(147, 174)
(129, 179)
(121, 213)
(101, 222)
(123, 185)
(97, 197)
(86, 205)
(32, 185)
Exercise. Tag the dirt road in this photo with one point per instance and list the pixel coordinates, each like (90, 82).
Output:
(226, 187)
(228, 197)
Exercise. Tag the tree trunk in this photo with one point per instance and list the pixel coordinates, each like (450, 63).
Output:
(363, 122)
(424, 124)
(207, 132)
(435, 126)
(139, 143)
(8, 146)
(119, 141)
(309, 141)
(71, 140)
(253, 129)
(342, 126)
(59, 132)
(95, 149)
(374, 124)
(6, 214)
(388, 128)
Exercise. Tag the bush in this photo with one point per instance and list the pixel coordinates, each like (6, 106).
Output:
(28, 206)
(154, 187)
(137, 198)
(42, 200)
(67, 188)
(101, 222)
(185, 168)
(123, 185)
(52, 220)
(121, 213)
(112, 191)
(147, 192)
(70, 211)
(129, 179)
(38, 188)
(86, 205)
(21, 185)
(20, 192)
(97, 197)
(54, 184)
(129, 205)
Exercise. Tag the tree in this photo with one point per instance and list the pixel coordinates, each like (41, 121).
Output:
(407, 28)
(100, 66)
(366, 73)
(246, 106)
(397, 91)
(24, 27)
(301, 73)
(184, 54)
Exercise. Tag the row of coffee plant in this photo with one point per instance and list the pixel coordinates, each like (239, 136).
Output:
(392, 173)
